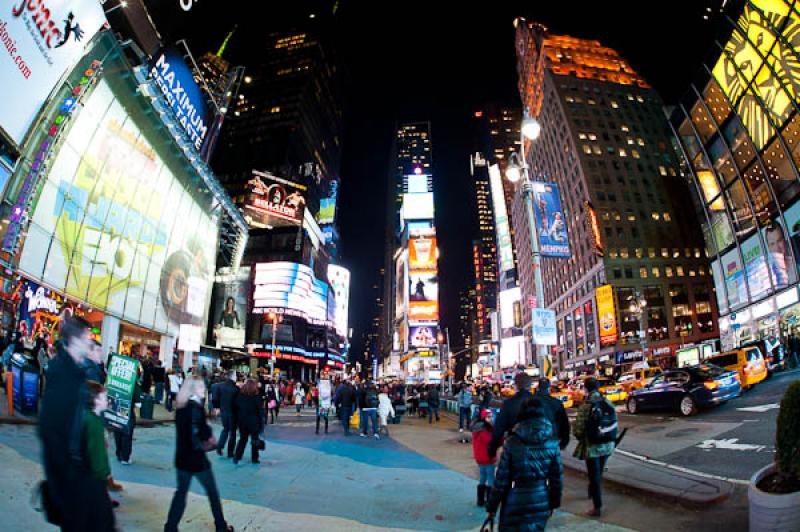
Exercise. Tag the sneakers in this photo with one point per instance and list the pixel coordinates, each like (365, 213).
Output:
(594, 512)
(377, 437)
(363, 434)
(460, 430)
(126, 462)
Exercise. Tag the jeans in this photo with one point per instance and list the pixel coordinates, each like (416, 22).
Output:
(322, 413)
(170, 398)
(369, 415)
(123, 441)
(346, 412)
(228, 433)
(159, 392)
(463, 417)
(487, 475)
(594, 468)
(178, 505)
(433, 410)
(243, 434)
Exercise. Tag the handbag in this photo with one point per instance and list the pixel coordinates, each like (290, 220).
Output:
(272, 404)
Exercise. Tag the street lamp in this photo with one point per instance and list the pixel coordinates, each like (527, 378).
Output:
(123, 4)
(517, 169)
(274, 318)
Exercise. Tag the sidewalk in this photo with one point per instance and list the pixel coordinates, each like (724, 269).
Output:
(160, 416)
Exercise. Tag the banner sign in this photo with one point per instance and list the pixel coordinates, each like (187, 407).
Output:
(550, 220)
(505, 251)
(120, 385)
(594, 228)
(606, 315)
(544, 326)
(41, 40)
(274, 201)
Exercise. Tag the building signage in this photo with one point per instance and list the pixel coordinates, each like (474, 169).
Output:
(551, 221)
(231, 290)
(606, 315)
(422, 253)
(422, 336)
(274, 201)
(628, 356)
(505, 250)
(544, 326)
(176, 81)
(594, 228)
(41, 40)
(120, 384)
(339, 278)
(423, 296)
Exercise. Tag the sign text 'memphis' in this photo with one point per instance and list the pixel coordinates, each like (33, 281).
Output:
(188, 116)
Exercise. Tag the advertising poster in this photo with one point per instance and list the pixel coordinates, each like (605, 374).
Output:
(422, 253)
(756, 267)
(423, 295)
(291, 289)
(274, 201)
(505, 251)
(41, 40)
(400, 288)
(340, 282)
(779, 256)
(606, 314)
(422, 336)
(120, 384)
(327, 206)
(115, 227)
(38, 308)
(230, 307)
(792, 217)
(544, 326)
(551, 220)
(418, 206)
(719, 286)
(733, 274)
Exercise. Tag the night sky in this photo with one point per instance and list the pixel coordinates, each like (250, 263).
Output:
(405, 61)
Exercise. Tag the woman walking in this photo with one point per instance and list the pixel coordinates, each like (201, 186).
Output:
(250, 417)
(385, 409)
(194, 440)
(299, 397)
(273, 401)
(175, 383)
(529, 476)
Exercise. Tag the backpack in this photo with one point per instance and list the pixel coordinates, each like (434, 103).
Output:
(602, 426)
(371, 400)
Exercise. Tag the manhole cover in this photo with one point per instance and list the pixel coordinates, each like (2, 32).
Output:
(680, 433)
(653, 428)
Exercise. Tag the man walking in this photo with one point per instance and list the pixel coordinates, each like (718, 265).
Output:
(433, 403)
(346, 398)
(596, 415)
(76, 501)
(159, 376)
(464, 406)
(554, 412)
(369, 411)
(507, 417)
(228, 391)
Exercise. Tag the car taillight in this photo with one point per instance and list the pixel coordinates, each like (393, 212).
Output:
(737, 377)
(711, 385)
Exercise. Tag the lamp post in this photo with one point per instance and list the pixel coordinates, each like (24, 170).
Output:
(273, 316)
(515, 170)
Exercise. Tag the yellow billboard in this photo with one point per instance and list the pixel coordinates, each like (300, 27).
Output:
(606, 316)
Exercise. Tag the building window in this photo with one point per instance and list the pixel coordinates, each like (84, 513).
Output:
(628, 272)
(667, 217)
(623, 253)
(655, 216)
(587, 149)
(656, 272)
(582, 136)
(656, 315)
(651, 253)
(665, 252)
(638, 253)
(622, 152)
(702, 308)
(612, 253)
(681, 313)
(617, 273)
(635, 154)
(614, 104)
(679, 271)
(662, 170)
(668, 271)
(643, 272)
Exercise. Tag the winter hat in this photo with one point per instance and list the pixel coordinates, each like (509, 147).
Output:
(485, 413)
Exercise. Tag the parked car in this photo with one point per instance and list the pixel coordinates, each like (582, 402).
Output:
(747, 361)
(638, 378)
(687, 389)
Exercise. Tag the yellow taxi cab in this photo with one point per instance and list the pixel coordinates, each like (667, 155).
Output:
(562, 394)
(638, 378)
(508, 389)
(748, 362)
(612, 390)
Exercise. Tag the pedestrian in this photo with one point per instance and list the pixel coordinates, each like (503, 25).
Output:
(596, 416)
(159, 376)
(554, 412)
(193, 440)
(228, 392)
(71, 500)
(481, 436)
(422, 395)
(464, 399)
(96, 453)
(289, 392)
(123, 437)
(271, 397)
(433, 403)
(528, 482)
(175, 383)
(299, 397)
(323, 405)
(250, 420)
(385, 409)
(93, 364)
(507, 417)
(346, 399)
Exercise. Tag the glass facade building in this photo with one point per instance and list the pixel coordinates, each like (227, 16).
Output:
(738, 128)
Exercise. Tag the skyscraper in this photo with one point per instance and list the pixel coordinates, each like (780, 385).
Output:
(622, 262)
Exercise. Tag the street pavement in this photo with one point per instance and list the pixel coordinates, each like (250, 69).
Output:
(305, 482)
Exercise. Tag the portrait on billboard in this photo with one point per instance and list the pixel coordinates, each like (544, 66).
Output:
(779, 256)
(423, 295)
(550, 217)
(231, 289)
(274, 201)
(422, 336)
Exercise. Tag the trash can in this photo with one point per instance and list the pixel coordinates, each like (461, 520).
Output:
(25, 384)
(146, 410)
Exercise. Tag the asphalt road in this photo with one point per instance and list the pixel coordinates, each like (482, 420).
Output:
(733, 440)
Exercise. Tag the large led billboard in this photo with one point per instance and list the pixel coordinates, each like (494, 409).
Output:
(229, 315)
(291, 288)
(418, 206)
(274, 201)
(422, 336)
(606, 314)
(340, 282)
(115, 226)
(422, 253)
(509, 301)
(551, 221)
(505, 251)
(41, 40)
(423, 295)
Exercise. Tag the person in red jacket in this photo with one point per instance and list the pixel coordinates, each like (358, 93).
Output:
(481, 437)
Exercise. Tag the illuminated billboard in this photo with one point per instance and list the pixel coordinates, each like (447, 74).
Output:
(606, 315)
(509, 301)
(41, 40)
(327, 206)
(418, 206)
(422, 336)
(423, 295)
(114, 226)
(422, 253)
(550, 220)
(340, 282)
(274, 201)
(291, 288)
(229, 315)
(505, 251)
(594, 228)
(760, 93)
(401, 287)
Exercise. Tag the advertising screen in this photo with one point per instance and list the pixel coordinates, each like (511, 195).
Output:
(422, 253)
(512, 351)
(505, 251)
(418, 206)
(551, 220)
(340, 281)
(422, 336)
(231, 290)
(327, 206)
(417, 183)
(733, 273)
(274, 201)
(401, 287)
(594, 228)
(509, 302)
(719, 286)
(41, 40)
(115, 227)
(290, 288)
(756, 266)
(423, 295)
(606, 314)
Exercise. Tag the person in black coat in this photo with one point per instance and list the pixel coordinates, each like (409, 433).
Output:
(554, 412)
(68, 477)
(346, 399)
(250, 419)
(194, 440)
(226, 393)
(507, 417)
(528, 482)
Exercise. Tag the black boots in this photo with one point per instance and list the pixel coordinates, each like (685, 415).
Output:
(483, 491)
